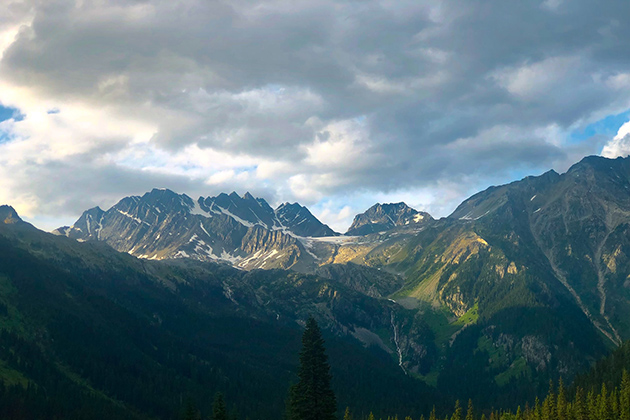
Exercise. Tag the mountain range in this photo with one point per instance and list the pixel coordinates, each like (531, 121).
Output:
(162, 224)
(243, 231)
(556, 231)
(522, 283)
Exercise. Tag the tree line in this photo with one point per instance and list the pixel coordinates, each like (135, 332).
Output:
(603, 403)
(602, 394)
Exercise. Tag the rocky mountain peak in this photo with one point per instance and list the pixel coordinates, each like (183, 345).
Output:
(8, 215)
(301, 221)
(238, 229)
(381, 217)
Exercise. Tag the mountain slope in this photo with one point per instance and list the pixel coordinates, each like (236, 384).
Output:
(521, 283)
(518, 266)
(578, 222)
(135, 337)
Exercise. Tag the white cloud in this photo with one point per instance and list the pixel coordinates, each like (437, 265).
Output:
(340, 143)
(620, 144)
(338, 219)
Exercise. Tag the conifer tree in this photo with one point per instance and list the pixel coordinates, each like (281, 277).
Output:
(614, 403)
(347, 415)
(371, 416)
(591, 403)
(470, 412)
(432, 415)
(547, 410)
(312, 397)
(190, 411)
(579, 407)
(219, 412)
(233, 414)
(457, 414)
(604, 405)
(537, 410)
(549, 405)
(528, 411)
(624, 396)
(561, 404)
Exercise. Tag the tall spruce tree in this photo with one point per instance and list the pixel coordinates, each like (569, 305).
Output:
(432, 416)
(347, 415)
(561, 403)
(580, 411)
(470, 415)
(190, 411)
(219, 412)
(457, 414)
(312, 397)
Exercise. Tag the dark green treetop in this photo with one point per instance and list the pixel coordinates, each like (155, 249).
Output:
(312, 397)
(219, 411)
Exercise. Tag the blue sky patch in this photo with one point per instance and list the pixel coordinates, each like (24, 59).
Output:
(6, 113)
(605, 127)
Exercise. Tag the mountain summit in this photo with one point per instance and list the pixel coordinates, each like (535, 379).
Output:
(8, 215)
(299, 220)
(382, 217)
(162, 224)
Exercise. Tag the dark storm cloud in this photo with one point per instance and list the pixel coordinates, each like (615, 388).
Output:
(430, 92)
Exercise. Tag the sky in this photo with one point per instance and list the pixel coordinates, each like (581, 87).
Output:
(334, 104)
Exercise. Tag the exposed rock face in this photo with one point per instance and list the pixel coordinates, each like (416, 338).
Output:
(269, 249)
(162, 224)
(260, 239)
(383, 217)
(8, 215)
(247, 210)
(535, 352)
(299, 220)
(455, 303)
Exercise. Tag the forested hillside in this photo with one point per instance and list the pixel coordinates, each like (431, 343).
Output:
(601, 393)
(88, 332)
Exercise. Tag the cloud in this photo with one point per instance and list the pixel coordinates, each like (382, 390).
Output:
(331, 103)
(620, 144)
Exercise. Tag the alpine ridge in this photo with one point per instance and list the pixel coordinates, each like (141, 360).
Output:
(521, 280)
(244, 231)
